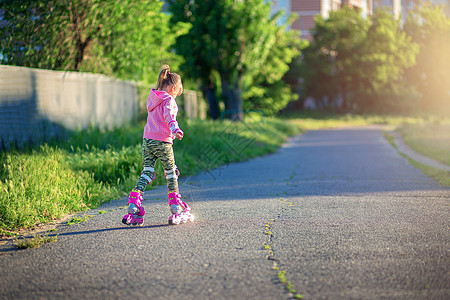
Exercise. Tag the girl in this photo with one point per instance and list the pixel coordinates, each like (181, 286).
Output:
(159, 132)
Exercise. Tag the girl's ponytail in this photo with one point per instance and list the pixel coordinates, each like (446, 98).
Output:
(163, 76)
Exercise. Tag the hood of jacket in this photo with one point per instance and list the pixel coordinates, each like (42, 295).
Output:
(156, 98)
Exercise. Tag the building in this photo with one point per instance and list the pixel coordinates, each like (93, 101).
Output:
(308, 9)
(392, 6)
(400, 8)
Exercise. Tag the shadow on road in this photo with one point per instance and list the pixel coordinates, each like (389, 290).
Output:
(11, 247)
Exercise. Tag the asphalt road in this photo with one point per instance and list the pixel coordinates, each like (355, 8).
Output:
(340, 212)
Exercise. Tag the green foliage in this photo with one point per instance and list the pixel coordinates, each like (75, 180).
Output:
(139, 40)
(237, 50)
(282, 276)
(110, 37)
(429, 27)
(28, 30)
(197, 45)
(386, 54)
(359, 65)
(330, 62)
(264, 86)
(269, 99)
(50, 34)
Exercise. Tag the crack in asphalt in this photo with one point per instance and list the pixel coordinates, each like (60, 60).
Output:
(280, 277)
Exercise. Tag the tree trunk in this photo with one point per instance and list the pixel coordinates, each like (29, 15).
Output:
(208, 93)
(344, 104)
(237, 112)
(80, 46)
(233, 101)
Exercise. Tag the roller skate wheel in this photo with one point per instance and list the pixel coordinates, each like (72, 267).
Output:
(127, 220)
(138, 223)
(171, 222)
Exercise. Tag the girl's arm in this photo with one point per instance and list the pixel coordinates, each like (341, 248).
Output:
(170, 116)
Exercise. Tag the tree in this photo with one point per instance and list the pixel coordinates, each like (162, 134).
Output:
(429, 27)
(139, 41)
(229, 46)
(386, 54)
(265, 86)
(197, 46)
(112, 37)
(330, 64)
(353, 64)
(49, 34)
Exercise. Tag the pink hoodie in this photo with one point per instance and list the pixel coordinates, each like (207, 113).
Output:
(162, 117)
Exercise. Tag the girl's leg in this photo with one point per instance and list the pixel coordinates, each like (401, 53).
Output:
(136, 212)
(149, 160)
(180, 210)
(164, 152)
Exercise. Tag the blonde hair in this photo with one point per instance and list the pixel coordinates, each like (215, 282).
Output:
(167, 79)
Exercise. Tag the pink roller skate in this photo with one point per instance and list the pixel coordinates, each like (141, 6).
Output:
(181, 212)
(136, 212)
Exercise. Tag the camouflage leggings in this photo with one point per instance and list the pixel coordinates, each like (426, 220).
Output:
(151, 151)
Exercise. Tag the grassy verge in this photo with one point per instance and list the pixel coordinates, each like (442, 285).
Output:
(430, 139)
(92, 167)
(318, 120)
(441, 176)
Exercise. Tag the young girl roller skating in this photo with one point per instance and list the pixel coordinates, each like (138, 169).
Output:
(159, 132)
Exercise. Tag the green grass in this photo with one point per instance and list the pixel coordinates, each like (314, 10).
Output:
(390, 138)
(319, 120)
(288, 285)
(78, 220)
(34, 242)
(430, 139)
(441, 176)
(40, 186)
(7, 233)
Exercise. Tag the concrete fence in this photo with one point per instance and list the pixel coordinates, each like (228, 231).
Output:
(37, 105)
(192, 106)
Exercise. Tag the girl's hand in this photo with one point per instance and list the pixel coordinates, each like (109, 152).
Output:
(179, 134)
